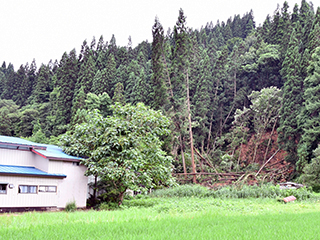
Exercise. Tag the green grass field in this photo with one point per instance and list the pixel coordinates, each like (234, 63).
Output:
(173, 218)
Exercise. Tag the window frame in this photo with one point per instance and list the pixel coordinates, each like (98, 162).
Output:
(5, 191)
(46, 190)
(28, 189)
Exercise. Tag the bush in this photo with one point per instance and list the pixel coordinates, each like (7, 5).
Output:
(71, 207)
(142, 202)
(245, 191)
(108, 206)
(182, 191)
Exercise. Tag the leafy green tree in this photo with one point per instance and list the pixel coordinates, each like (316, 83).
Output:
(9, 117)
(101, 102)
(123, 149)
(265, 111)
(261, 66)
(27, 121)
(38, 135)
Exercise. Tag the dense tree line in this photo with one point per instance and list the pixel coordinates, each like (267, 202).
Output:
(211, 82)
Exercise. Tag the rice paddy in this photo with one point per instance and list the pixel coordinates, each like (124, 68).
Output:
(173, 218)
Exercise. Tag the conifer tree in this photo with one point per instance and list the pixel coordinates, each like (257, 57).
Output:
(42, 89)
(10, 84)
(97, 83)
(121, 76)
(292, 101)
(109, 75)
(118, 95)
(66, 80)
(306, 16)
(86, 75)
(158, 79)
(32, 79)
(311, 135)
(202, 101)
(20, 94)
(314, 37)
(133, 71)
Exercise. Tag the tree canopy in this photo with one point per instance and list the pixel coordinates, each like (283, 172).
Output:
(123, 149)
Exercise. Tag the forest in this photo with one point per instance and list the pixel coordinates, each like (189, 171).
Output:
(241, 98)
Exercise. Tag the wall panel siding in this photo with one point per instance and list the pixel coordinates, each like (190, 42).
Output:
(74, 186)
(16, 157)
(71, 188)
(55, 167)
(23, 158)
(15, 199)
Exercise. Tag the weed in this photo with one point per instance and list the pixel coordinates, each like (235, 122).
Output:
(71, 206)
(244, 191)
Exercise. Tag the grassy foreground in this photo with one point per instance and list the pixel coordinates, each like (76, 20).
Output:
(173, 218)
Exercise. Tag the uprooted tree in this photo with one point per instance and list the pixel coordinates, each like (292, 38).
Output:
(123, 150)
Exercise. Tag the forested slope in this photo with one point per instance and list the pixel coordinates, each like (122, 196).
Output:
(232, 82)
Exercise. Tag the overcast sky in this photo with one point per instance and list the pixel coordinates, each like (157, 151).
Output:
(44, 30)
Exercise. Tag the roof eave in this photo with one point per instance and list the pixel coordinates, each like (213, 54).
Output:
(56, 158)
(32, 175)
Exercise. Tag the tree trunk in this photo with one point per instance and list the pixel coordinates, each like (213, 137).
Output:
(190, 133)
(182, 156)
(273, 127)
(95, 189)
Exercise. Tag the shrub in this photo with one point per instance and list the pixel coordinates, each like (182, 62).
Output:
(143, 202)
(182, 191)
(245, 191)
(71, 206)
(108, 206)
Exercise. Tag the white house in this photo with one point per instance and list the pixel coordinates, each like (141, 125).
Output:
(39, 176)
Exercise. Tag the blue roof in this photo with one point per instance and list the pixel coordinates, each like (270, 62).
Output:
(18, 141)
(45, 150)
(31, 171)
(55, 152)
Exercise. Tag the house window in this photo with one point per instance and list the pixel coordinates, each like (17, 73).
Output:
(47, 189)
(3, 188)
(28, 189)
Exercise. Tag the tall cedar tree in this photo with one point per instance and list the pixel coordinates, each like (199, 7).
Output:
(22, 79)
(202, 101)
(311, 135)
(42, 89)
(292, 101)
(158, 79)
(179, 70)
(66, 80)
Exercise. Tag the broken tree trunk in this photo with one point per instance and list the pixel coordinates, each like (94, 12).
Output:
(267, 162)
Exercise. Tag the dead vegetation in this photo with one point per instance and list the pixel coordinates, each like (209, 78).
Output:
(269, 165)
